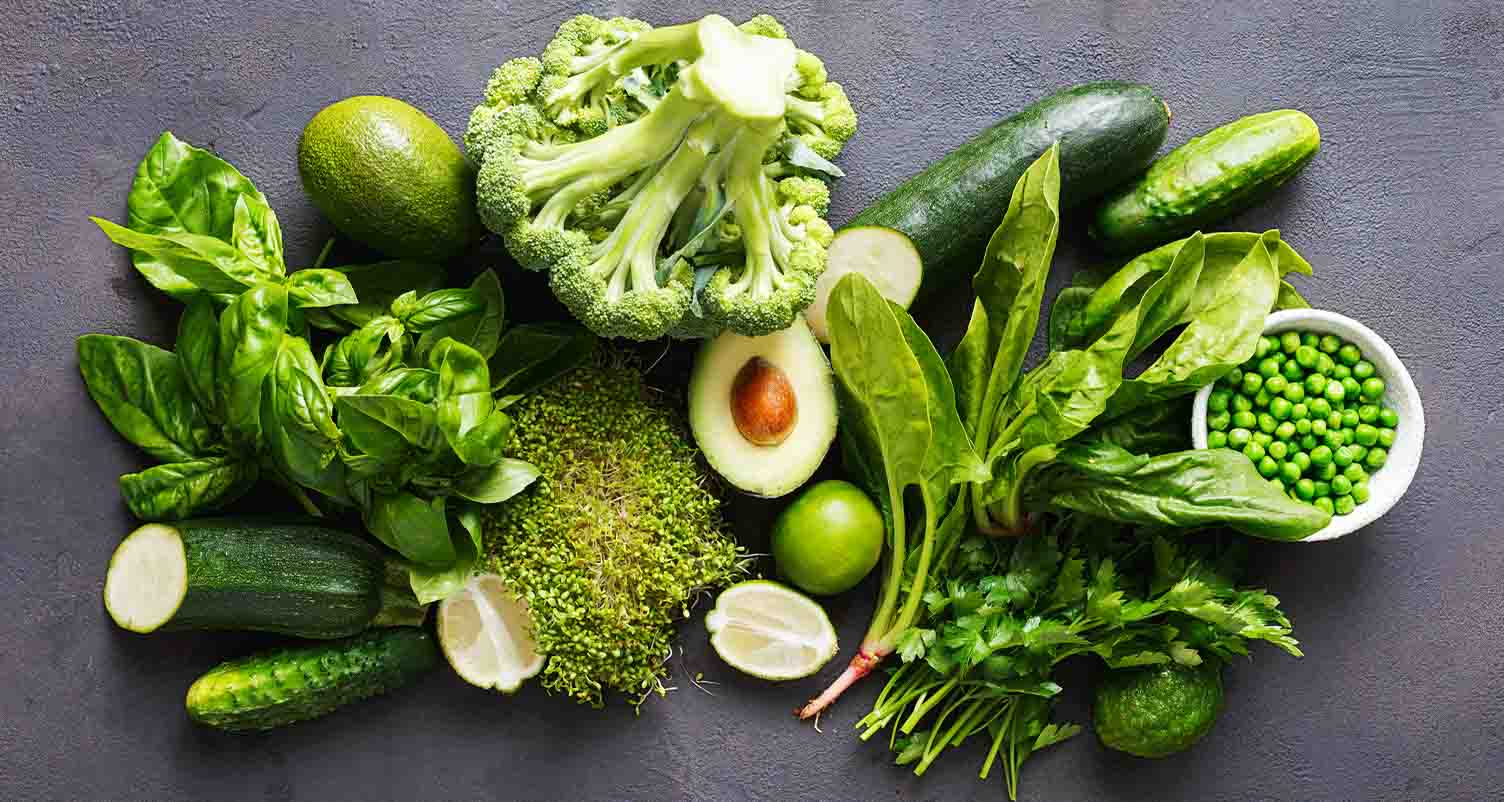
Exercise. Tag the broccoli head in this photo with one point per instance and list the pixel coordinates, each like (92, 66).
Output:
(645, 169)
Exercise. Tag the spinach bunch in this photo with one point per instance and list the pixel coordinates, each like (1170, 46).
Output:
(397, 421)
(978, 443)
(1011, 610)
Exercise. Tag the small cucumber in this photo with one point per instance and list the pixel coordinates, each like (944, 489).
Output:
(280, 687)
(1209, 178)
(884, 255)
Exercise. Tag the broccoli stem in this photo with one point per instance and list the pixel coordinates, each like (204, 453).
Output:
(597, 70)
(752, 192)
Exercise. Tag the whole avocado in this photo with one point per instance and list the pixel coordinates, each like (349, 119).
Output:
(1157, 711)
(387, 175)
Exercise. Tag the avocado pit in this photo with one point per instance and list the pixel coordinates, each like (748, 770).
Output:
(763, 405)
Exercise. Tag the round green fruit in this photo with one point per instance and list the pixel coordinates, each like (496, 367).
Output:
(1157, 711)
(387, 175)
(828, 539)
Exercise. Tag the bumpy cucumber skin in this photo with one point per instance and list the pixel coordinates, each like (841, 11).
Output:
(288, 685)
(1209, 178)
(303, 580)
(1108, 133)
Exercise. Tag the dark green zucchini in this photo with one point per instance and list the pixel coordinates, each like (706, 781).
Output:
(1209, 178)
(287, 685)
(229, 573)
(1108, 133)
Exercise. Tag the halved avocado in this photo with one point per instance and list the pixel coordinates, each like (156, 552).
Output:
(763, 409)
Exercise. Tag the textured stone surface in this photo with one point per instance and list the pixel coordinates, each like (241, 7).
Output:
(1396, 699)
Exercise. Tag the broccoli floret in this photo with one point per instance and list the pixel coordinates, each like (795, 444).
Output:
(629, 160)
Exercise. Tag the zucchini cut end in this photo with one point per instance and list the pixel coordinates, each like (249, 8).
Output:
(147, 578)
(886, 256)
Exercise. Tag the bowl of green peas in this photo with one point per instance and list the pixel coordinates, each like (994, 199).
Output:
(1324, 410)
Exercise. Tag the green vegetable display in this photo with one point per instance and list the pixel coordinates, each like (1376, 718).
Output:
(671, 180)
(618, 536)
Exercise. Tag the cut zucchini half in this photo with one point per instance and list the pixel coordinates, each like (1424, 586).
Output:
(885, 256)
(147, 578)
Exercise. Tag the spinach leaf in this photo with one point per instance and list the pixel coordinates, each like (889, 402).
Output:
(204, 262)
(257, 236)
(412, 527)
(184, 489)
(297, 421)
(1063, 312)
(1151, 429)
(377, 285)
(1187, 489)
(496, 483)
(316, 287)
(197, 350)
(143, 392)
(1164, 303)
(533, 355)
(480, 329)
(467, 413)
(251, 330)
(183, 189)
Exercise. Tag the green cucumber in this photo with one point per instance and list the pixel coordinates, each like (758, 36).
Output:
(1209, 178)
(280, 687)
(884, 255)
(304, 580)
(1108, 133)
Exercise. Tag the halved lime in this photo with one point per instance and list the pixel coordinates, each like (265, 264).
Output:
(486, 632)
(770, 631)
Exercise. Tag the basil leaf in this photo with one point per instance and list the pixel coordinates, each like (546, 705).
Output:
(184, 189)
(434, 585)
(467, 413)
(142, 391)
(412, 527)
(480, 329)
(257, 236)
(534, 355)
(251, 330)
(496, 483)
(297, 420)
(376, 285)
(1187, 489)
(387, 425)
(198, 349)
(421, 314)
(317, 287)
(417, 384)
(371, 350)
(184, 489)
(203, 262)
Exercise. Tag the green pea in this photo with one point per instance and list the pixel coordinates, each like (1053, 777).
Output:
(1285, 431)
(1342, 457)
(1216, 439)
(1315, 384)
(1368, 413)
(1334, 391)
(1267, 423)
(1323, 488)
(1330, 343)
(1335, 438)
(1262, 399)
(1276, 385)
(1263, 439)
(1325, 505)
(1324, 365)
(1388, 417)
(1254, 451)
(1326, 472)
(1219, 422)
(1274, 482)
(1268, 367)
(1341, 485)
(1308, 442)
(1241, 403)
(1299, 411)
(1289, 342)
(1279, 449)
(1305, 356)
(1306, 489)
(1280, 408)
(1309, 339)
(1347, 437)
(1376, 458)
(1362, 370)
(1291, 370)
(1340, 372)
(1353, 389)
(1295, 392)
(1319, 427)
(1350, 418)
(1244, 419)
(1360, 492)
(1302, 460)
(1303, 426)
(1239, 437)
(1344, 506)
(1358, 452)
(1366, 435)
(1386, 437)
(1268, 467)
(1234, 377)
(1218, 400)
(1334, 420)
(1289, 473)
(1266, 344)
(1349, 354)
(1252, 383)
(1373, 388)
(1320, 407)
(1355, 473)
(1321, 455)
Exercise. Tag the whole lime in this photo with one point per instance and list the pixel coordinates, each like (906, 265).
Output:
(387, 175)
(1157, 711)
(828, 539)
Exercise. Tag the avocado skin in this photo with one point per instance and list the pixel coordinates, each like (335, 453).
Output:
(387, 175)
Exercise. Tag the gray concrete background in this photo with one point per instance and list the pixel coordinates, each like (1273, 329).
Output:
(1397, 698)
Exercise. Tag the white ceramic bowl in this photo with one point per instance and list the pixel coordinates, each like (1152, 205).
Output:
(1390, 482)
